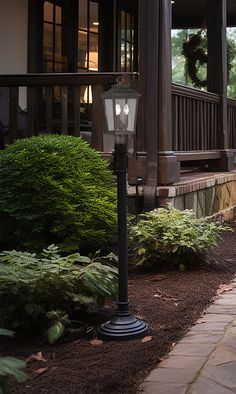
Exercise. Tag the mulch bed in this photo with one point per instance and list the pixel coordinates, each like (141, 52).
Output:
(170, 302)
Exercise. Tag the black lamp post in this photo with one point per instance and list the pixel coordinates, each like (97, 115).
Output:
(120, 105)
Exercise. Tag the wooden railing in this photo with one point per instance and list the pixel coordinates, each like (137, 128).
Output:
(232, 123)
(194, 119)
(54, 103)
(194, 113)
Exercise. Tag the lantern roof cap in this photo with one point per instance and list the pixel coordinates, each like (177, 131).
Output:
(120, 90)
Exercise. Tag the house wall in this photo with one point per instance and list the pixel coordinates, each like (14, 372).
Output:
(14, 40)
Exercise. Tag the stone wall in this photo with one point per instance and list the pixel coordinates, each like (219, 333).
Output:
(208, 195)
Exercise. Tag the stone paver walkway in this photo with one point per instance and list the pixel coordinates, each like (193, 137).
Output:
(204, 361)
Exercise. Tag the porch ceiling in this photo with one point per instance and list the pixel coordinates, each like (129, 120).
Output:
(186, 16)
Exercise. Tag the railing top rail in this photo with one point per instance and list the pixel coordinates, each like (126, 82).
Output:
(62, 79)
(195, 93)
(231, 102)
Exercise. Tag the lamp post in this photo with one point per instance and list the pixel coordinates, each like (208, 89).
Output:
(120, 105)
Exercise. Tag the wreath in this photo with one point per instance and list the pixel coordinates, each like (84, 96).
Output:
(195, 52)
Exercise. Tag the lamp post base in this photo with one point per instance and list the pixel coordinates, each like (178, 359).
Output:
(123, 326)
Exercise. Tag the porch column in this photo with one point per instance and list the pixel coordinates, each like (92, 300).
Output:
(148, 85)
(217, 74)
(169, 167)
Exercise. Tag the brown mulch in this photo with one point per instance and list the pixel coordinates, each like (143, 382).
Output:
(170, 302)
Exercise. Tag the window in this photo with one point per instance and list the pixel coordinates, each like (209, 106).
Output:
(58, 29)
(88, 36)
(54, 52)
(127, 41)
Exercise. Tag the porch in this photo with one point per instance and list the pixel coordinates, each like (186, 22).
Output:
(195, 137)
(179, 128)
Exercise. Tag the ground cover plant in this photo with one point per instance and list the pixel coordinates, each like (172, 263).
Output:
(169, 238)
(42, 294)
(170, 302)
(10, 367)
(55, 189)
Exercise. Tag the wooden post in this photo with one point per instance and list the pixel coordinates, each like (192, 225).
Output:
(169, 167)
(217, 74)
(148, 86)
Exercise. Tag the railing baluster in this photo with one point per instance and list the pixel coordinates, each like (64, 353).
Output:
(77, 111)
(194, 125)
(13, 112)
(175, 123)
(180, 110)
(31, 110)
(64, 110)
(205, 125)
(97, 118)
(48, 100)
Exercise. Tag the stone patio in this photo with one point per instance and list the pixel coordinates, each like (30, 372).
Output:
(204, 361)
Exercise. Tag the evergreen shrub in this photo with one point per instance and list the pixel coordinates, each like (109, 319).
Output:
(55, 189)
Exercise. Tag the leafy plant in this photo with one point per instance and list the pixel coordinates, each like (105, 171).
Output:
(43, 293)
(55, 189)
(10, 366)
(169, 238)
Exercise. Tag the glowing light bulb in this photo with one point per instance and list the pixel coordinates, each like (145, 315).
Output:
(118, 109)
(126, 109)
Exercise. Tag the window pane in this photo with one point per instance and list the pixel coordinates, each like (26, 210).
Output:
(122, 55)
(58, 15)
(132, 29)
(128, 56)
(48, 41)
(128, 20)
(48, 11)
(93, 52)
(58, 43)
(93, 18)
(47, 67)
(132, 58)
(82, 49)
(83, 14)
(82, 70)
(123, 26)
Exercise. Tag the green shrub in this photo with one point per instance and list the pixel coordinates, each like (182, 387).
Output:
(43, 293)
(55, 189)
(10, 367)
(169, 238)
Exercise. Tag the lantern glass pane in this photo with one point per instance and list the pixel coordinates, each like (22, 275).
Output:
(109, 114)
(122, 115)
(132, 104)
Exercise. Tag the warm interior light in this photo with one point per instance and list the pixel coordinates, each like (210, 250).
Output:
(96, 23)
(172, 1)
